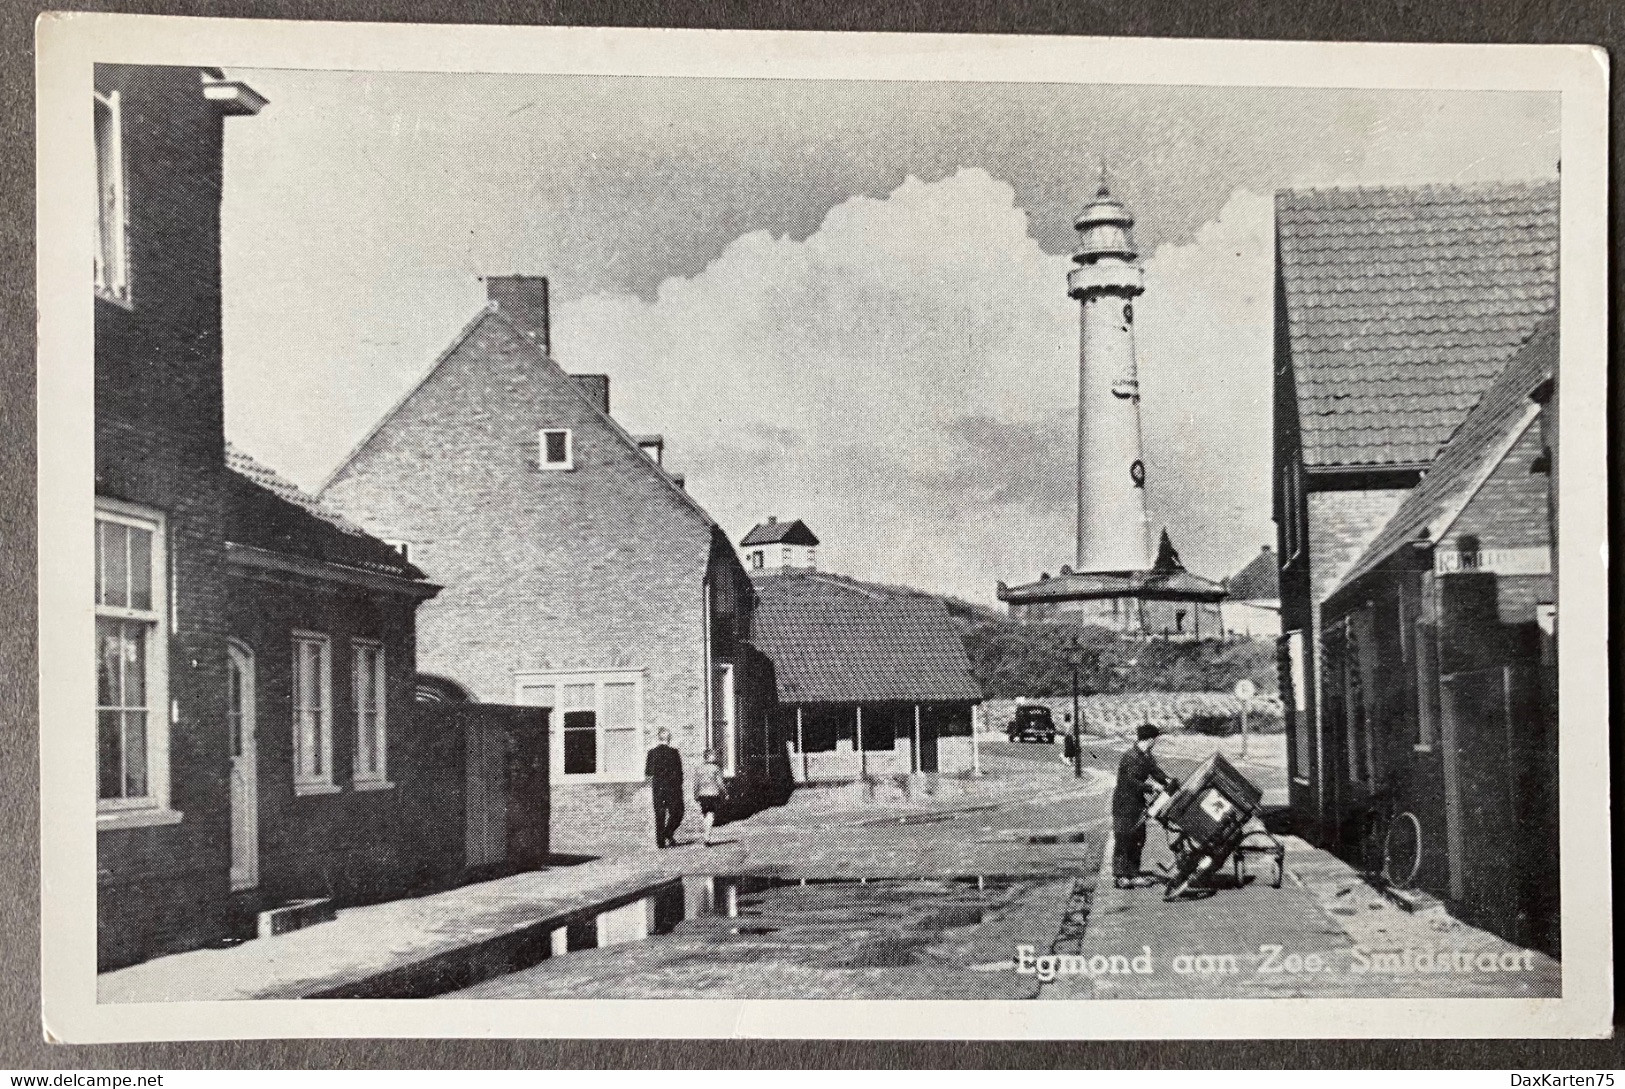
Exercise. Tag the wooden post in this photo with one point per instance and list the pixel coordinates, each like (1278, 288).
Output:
(863, 757)
(801, 744)
(978, 716)
(917, 761)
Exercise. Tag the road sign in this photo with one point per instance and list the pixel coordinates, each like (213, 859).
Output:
(1244, 691)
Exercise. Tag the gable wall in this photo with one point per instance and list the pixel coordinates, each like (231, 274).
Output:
(1509, 512)
(597, 567)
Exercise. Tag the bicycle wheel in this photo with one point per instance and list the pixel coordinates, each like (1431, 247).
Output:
(1402, 851)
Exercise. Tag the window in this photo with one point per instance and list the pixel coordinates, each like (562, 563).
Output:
(596, 722)
(556, 450)
(312, 714)
(367, 689)
(1296, 698)
(756, 559)
(784, 556)
(723, 715)
(132, 702)
(812, 559)
(112, 243)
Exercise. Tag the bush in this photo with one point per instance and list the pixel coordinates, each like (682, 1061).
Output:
(1214, 725)
(1010, 659)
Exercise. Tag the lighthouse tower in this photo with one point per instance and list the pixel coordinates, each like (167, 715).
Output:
(1118, 582)
(1113, 534)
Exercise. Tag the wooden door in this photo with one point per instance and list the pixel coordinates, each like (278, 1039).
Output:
(487, 840)
(526, 803)
(244, 771)
(1479, 807)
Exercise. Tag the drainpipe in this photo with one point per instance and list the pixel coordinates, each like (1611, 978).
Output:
(705, 658)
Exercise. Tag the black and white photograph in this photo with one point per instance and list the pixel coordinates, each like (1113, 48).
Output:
(1034, 529)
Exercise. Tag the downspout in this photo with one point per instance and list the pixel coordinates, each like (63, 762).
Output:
(706, 667)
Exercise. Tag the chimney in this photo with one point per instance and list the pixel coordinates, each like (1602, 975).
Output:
(523, 301)
(772, 519)
(596, 387)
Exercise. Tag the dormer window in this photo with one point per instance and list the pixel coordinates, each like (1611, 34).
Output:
(556, 449)
(112, 266)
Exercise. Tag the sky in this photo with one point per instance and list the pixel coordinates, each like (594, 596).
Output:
(838, 301)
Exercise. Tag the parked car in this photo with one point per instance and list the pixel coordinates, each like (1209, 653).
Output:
(1033, 722)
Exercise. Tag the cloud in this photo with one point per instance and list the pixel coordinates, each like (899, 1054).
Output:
(904, 379)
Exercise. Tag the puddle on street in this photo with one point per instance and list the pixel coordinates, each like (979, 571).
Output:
(841, 922)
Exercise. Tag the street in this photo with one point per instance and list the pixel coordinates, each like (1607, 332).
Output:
(990, 891)
(855, 905)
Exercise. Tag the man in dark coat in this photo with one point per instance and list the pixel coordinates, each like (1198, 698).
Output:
(1135, 773)
(663, 767)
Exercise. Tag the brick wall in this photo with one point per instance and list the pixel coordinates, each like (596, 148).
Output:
(159, 444)
(355, 845)
(1508, 512)
(1341, 525)
(602, 566)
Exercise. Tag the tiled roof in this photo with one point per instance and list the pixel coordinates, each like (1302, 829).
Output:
(1401, 304)
(793, 532)
(266, 510)
(1471, 454)
(1260, 580)
(840, 641)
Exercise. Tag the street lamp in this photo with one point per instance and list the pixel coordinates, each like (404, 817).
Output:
(1074, 654)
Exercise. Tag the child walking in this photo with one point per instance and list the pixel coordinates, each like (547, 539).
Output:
(709, 790)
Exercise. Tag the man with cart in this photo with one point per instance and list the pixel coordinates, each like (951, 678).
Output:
(1136, 771)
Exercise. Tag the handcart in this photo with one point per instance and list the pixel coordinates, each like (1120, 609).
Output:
(1213, 818)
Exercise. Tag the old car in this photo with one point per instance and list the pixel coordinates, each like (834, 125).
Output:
(1032, 722)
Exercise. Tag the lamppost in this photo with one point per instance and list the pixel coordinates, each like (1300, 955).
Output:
(1074, 654)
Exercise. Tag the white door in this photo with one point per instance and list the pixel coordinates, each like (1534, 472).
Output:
(245, 821)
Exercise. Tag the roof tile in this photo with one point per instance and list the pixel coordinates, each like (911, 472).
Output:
(1401, 303)
(836, 640)
(1460, 465)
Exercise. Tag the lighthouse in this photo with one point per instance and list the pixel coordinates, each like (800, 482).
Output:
(1116, 580)
(1113, 534)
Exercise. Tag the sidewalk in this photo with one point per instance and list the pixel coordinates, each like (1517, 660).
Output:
(1324, 934)
(435, 942)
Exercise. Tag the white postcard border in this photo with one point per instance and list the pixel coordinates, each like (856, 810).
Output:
(68, 45)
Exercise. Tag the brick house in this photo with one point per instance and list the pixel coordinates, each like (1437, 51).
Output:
(351, 792)
(870, 680)
(580, 575)
(1395, 308)
(1439, 698)
(256, 737)
(162, 809)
